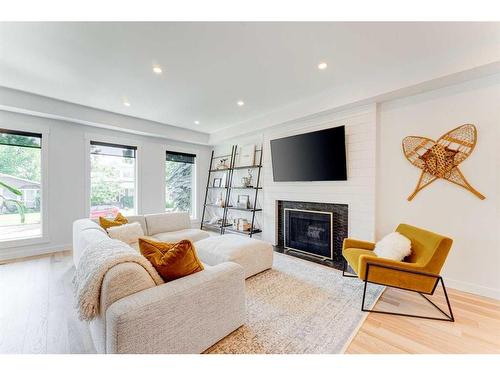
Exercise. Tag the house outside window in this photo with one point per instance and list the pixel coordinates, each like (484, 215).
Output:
(180, 182)
(20, 185)
(112, 179)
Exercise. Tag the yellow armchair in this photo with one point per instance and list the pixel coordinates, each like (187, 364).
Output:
(419, 272)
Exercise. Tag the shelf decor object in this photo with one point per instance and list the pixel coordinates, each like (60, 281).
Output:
(226, 186)
(441, 158)
(246, 155)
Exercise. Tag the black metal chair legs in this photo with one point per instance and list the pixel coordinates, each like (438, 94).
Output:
(447, 316)
(344, 269)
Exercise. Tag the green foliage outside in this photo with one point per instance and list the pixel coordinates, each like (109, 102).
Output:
(22, 162)
(179, 179)
(104, 186)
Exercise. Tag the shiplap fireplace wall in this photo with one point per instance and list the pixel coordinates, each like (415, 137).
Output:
(358, 192)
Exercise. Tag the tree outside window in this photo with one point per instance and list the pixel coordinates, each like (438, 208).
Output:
(112, 180)
(179, 172)
(20, 184)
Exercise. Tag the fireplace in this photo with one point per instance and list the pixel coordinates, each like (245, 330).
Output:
(309, 232)
(313, 231)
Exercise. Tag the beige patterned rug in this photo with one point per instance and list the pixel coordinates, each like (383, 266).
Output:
(299, 307)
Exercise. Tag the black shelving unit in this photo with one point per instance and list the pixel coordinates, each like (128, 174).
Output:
(224, 225)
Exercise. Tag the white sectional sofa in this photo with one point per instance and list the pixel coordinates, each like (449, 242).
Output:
(186, 315)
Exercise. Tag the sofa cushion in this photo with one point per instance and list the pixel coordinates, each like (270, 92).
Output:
(191, 234)
(138, 219)
(128, 233)
(171, 260)
(167, 222)
(252, 254)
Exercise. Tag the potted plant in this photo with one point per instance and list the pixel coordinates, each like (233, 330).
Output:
(5, 202)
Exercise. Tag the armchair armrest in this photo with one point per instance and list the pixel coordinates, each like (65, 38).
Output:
(389, 264)
(410, 276)
(351, 242)
(186, 315)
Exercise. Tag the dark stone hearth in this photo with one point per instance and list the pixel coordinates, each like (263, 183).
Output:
(340, 231)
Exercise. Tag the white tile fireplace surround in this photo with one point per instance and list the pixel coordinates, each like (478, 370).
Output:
(358, 192)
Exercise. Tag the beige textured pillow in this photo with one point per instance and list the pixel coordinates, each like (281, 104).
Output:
(128, 233)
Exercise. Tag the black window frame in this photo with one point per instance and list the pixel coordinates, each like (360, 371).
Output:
(114, 145)
(180, 157)
(22, 134)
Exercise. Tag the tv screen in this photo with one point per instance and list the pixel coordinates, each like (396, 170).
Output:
(316, 156)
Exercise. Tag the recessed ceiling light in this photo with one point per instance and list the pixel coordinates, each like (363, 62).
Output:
(157, 69)
(197, 122)
(126, 103)
(322, 65)
(240, 103)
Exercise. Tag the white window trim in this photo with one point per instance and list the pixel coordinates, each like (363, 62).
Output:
(44, 187)
(194, 194)
(114, 140)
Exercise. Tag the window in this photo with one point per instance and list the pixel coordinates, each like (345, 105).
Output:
(112, 179)
(179, 187)
(20, 185)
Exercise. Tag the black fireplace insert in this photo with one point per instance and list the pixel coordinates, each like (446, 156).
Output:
(309, 232)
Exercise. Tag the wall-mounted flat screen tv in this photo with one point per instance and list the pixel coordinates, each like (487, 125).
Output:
(315, 156)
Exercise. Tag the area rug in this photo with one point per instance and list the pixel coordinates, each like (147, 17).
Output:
(299, 307)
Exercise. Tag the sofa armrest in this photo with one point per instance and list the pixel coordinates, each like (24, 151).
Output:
(186, 315)
(353, 243)
(123, 280)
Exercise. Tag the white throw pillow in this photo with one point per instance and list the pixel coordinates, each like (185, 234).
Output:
(394, 246)
(128, 233)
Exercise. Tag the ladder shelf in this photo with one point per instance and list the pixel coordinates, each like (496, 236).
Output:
(224, 225)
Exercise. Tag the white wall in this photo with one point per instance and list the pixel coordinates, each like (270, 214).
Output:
(474, 262)
(28, 103)
(67, 156)
(358, 191)
(380, 178)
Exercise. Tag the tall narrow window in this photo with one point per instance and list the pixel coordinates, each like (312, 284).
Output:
(112, 179)
(180, 172)
(20, 185)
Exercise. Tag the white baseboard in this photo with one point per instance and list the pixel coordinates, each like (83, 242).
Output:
(14, 253)
(473, 288)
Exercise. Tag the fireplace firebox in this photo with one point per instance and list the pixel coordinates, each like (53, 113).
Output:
(312, 231)
(309, 232)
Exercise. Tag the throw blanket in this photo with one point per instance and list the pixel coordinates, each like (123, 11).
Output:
(96, 260)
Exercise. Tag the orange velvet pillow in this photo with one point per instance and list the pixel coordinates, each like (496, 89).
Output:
(171, 260)
(108, 223)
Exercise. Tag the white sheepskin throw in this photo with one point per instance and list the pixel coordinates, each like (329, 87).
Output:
(128, 233)
(394, 246)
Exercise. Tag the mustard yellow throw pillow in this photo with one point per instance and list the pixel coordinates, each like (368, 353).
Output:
(171, 260)
(108, 223)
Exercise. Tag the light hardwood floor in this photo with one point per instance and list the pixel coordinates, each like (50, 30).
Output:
(36, 312)
(476, 328)
(36, 316)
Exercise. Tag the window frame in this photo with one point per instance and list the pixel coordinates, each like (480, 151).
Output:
(118, 141)
(194, 193)
(44, 186)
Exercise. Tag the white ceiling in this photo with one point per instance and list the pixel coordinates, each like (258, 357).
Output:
(208, 67)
